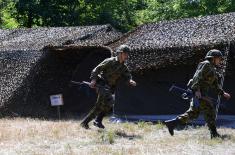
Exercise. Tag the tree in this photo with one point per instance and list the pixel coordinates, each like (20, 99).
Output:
(27, 12)
(124, 14)
(120, 14)
(6, 18)
(158, 10)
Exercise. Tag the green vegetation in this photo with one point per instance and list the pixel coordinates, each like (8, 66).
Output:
(7, 9)
(106, 136)
(123, 14)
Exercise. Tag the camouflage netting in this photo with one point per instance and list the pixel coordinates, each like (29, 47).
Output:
(36, 63)
(176, 42)
(168, 52)
(37, 38)
(24, 62)
(15, 67)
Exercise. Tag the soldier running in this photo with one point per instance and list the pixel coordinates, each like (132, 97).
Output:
(107, 74)
(205, 79)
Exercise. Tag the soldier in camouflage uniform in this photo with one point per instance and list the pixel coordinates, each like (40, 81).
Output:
(204, 80)
(107, 74)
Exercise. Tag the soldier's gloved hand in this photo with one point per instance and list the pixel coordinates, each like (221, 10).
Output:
(132, 82)
(226, 96)
(93, 83)
(198, 94)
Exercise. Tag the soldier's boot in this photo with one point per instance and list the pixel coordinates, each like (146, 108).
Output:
(214, 133)
(85, 123)
(98, 121)
(171, 125)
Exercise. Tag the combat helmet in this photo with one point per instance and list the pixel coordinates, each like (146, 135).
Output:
(123, 48)
(213, 53)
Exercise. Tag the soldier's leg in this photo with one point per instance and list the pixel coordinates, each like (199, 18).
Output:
(107, 107)
(190, 114)
(94, 111)
(98, 120)
(100, 117)
(209, 115)
(102, 114)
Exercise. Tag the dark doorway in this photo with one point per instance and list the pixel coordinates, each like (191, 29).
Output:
(76, 101)
(228, 107)
(52, 75)
(151, 96)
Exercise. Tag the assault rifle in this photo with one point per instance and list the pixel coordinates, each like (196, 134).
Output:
(84, 86)
(188, 94)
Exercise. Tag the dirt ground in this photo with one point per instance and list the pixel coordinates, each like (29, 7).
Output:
(43, 137)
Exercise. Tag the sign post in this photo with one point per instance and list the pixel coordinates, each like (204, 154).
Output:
(57, 101)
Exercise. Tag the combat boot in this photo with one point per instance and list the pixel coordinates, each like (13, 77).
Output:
(98, 121)
(99, 124)
(85, 123)
(171, 125)
(214, 133)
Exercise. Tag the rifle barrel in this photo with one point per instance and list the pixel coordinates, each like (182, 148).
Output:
(178, 88)
(88, 83)
(76, 82)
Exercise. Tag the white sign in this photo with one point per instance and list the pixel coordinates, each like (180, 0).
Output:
(56, 100)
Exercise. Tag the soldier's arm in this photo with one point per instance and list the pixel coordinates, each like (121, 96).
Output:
(127, 74)
(201, 73)
(219, 90)
(218, 87)
(128, 77)
(98, 69)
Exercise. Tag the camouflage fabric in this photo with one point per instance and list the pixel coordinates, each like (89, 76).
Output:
(206, 79)
(123, 48)
(103, 106)
(213, 53)
(111, 70)
(193, 112)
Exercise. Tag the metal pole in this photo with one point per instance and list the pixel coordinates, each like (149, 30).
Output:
(58, 111)
(222, 79)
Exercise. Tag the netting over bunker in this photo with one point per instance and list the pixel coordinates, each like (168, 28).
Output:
(167, 53)
(36, 63)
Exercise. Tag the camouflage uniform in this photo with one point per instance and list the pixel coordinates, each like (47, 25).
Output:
(107, 73)
(205, 79)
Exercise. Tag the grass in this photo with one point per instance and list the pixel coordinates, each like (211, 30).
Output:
(42, 137)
